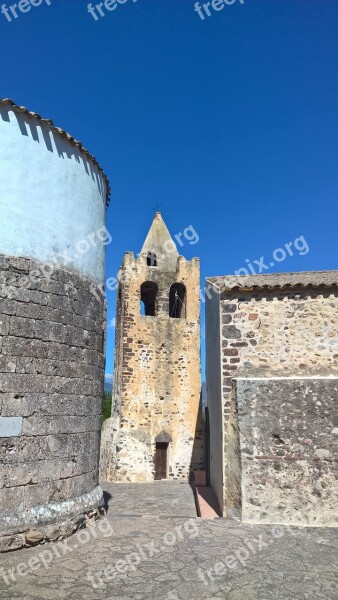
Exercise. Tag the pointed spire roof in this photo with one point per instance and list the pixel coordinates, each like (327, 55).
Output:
(159, 240)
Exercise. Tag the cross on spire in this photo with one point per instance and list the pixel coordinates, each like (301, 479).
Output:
(156, 208)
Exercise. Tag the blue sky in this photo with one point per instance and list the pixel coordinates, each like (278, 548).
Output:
(230, 121)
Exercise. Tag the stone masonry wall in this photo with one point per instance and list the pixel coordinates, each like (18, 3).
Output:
(288, 433)
(268, 333)
(52, 356)
(293, 331)
(157, 384)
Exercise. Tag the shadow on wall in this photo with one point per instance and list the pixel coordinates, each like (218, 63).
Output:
(40, 132)
(198, 460)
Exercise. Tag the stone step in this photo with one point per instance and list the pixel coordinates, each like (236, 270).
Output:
(207, 505)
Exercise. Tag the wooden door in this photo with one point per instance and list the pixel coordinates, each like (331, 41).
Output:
(161, 460)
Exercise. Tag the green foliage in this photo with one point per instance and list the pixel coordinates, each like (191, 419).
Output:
(106, 405)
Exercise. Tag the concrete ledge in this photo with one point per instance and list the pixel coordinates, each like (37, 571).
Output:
(52, 513)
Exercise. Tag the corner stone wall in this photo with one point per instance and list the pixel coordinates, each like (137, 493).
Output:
(288, 439)
(273, 327)
(52, 360)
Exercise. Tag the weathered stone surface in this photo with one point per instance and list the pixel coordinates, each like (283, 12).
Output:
(288, 453)
(11, 542)
(33, 537)
(51, 381)
(173, 557)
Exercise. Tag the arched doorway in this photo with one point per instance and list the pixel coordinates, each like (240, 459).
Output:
(161, 461)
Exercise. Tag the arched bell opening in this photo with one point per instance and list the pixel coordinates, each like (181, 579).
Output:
(178, 301)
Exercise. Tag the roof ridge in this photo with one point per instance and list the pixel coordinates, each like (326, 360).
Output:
(302, 279)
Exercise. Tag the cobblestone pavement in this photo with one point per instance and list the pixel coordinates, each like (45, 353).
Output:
(168, 557)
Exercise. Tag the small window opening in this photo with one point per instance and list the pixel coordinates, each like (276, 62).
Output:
(177, 301)
(149, 291)
(151, 259)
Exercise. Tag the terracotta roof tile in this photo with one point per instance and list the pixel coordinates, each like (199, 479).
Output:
(303, 279)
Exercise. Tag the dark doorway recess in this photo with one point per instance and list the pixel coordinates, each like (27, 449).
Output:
(161, 460)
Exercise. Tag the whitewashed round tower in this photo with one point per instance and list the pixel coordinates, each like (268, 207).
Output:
(53, 198)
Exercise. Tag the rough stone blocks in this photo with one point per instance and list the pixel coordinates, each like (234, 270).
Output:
(52, 333)
(288, 447)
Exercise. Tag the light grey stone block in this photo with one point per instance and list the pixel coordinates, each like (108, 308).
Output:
(10, 427)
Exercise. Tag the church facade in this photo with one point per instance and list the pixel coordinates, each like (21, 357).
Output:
(155, 427)
(270, 437)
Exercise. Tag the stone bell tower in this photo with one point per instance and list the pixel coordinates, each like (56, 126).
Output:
(155, 428)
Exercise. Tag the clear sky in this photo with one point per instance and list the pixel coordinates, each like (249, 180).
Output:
(230, 121)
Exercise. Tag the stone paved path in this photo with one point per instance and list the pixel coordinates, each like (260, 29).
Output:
(165, 498)
(167, 557)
